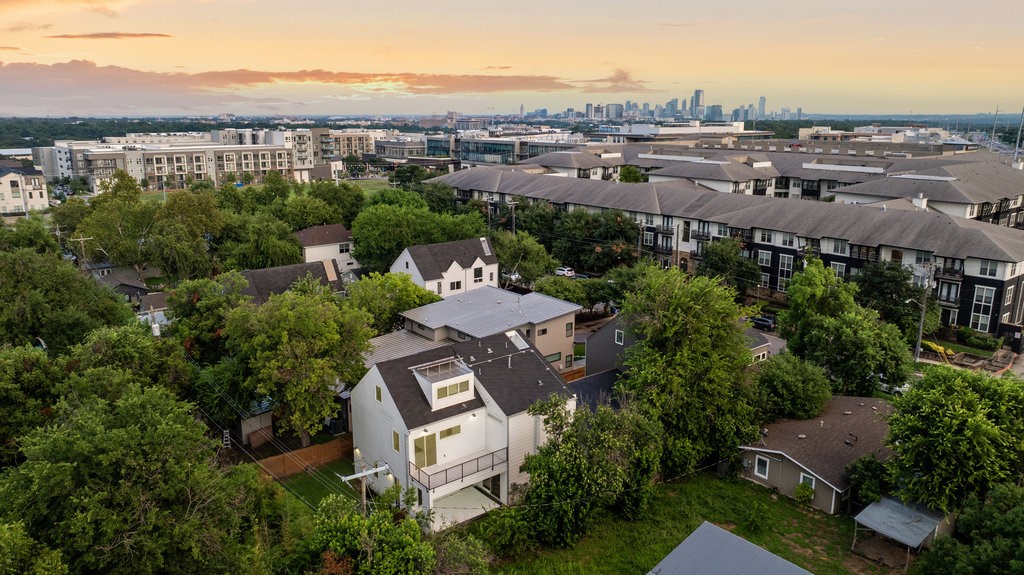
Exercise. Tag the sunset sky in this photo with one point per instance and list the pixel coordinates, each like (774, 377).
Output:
(139, 57)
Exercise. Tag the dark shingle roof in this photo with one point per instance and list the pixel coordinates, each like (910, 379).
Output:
(271, 281)
(711, 550)
(848, 428)
(323, 235)
(515, 378)
(580, 159)
(434, 259)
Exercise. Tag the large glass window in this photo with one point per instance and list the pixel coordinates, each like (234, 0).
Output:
(761, 466)
(988, 268)
(785, 270)
(764, 258)
(840, 247)
(981, 310)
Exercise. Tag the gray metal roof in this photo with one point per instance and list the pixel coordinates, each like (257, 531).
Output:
(910, 526)
(711, 550)
(398, 344)
(489, 310)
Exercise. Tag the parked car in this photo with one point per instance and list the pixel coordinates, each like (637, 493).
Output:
(580, 277)
(763, 323)
(564, 271)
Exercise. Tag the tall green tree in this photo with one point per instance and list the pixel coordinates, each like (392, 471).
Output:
(596, 241)
(69, 214)
(120, 224)
(256, 241)
(790, 387)
(29, 389)
(688, 368)
(299, 346)
(386, 296)
(199, 311)
(957, 433)
(537, 218)
(632, 175)
(129, 486)
(301, 212)
(563, 288)
(813, 291)
(887, 287)
(382, 231)
(397, 197)
(46, 298)
(440, 197)
(30, 233)
(21, 555)
(724, 259)
(522, 254)
(348, 199)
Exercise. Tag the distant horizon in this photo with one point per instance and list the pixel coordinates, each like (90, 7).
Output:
(371, 116)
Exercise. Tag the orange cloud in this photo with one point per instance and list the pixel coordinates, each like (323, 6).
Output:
(9, 48)
(621, 81)
(23, 26)
(111, 35)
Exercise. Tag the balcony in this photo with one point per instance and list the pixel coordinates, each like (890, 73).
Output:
(704, 235)
(696, 256)
(435, 476)
(665, 229)
(949, 274)
(947, 301)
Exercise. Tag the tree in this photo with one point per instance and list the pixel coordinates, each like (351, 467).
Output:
(382, 231)
(199, 310)
(563, 288)
(45, 298)
(886, 288)
(957, 433)
(29, 383)
(257, 241)
(632, 175)
(346, 198)
(301, 212)
(385, 543)
(298, 346)
(129, 486)
(397, 197)
(30, 233)
(596, 241)
(69, 214)
(521, 254)
(591, 460)
(688, 368)
(724, 259)
(440, 197)
(184, 225)
(814, 291)
(537, 218)
(870, 479)
(791, 387)
(407, 175)
(989, 534)
(21, 555)
(120, 224)
(276, 186)
(385, 297)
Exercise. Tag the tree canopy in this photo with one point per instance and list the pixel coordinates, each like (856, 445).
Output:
(522, 254)
(385, 297)
(886, 288)
(789, 387)
(596, 241)
(382, 231)
(723, 258)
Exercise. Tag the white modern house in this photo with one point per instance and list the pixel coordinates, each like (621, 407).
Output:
(450, 268)
(327, 242)
(451, 422)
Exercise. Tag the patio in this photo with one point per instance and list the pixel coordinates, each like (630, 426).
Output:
(460, 507)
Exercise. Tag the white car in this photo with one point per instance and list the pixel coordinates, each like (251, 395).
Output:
(564, 271)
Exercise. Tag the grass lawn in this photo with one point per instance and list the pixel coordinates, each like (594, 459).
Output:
(579, 349)
(314, 488)
(370, 187)
(959, 347)
(811, 539)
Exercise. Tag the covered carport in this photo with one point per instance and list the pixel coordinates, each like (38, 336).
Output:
(910, 526)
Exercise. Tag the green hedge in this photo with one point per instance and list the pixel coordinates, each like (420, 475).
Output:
(977, 339)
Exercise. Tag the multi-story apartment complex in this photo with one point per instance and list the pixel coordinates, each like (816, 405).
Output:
(21, 191)
(977, 268)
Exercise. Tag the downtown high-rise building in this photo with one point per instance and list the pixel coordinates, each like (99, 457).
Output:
(760, 107)
(697, 104)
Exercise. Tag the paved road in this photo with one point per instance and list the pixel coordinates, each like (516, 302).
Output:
(778, 344)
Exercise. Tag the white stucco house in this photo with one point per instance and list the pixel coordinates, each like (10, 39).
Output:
(450, 268)
(451, 422)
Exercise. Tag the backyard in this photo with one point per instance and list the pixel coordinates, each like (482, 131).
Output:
(811, 539)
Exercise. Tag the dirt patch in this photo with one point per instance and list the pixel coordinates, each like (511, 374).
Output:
(882, 554)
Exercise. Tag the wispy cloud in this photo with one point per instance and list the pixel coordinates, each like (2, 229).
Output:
(105, 7)
(25, 26)
(498, 68)
(620, 81)
(9, 48)
(110, 36)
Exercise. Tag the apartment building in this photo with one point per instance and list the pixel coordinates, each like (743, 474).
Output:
(977, 269)
(22, 190)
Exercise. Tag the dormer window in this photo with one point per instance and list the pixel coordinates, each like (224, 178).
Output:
(452, 389)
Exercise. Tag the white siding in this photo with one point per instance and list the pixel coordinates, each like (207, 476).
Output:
(372, 425)
(405, 265)
(330, 252)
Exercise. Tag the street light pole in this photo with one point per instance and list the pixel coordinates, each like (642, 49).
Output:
(920, 327)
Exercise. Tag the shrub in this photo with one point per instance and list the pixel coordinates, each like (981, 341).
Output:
(757, 519)
(978, 339)
(804, 494)
(506, 532)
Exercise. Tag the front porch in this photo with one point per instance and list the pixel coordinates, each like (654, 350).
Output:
(459, 507)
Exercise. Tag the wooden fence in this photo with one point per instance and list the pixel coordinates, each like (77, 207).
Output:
(314, 456)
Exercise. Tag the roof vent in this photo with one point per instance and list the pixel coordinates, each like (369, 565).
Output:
(847, 413)
(801, 436)
(489, 350)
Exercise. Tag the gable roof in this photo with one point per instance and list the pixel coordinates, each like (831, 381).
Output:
(489, 310)
(513, 377)
(711, 550)
(848, 428)
(323, 235)
(579, 159)
(432, 260)
(266, 282)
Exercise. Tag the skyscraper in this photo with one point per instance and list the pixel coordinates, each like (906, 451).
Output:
(697, 104)
(590, 111)
(760, 107)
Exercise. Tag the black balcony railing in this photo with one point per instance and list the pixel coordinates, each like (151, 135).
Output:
(700, 235)
(490, 461)
(949, 274)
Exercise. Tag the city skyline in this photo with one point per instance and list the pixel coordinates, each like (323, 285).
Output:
(197, 57)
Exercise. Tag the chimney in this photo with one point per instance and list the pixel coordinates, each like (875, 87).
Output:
(920, 202)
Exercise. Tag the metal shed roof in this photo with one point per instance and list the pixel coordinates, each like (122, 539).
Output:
(711, 550)
(910, 526)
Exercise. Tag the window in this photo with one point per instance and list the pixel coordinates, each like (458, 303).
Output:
(761, 466)
(764, 258)
(766, 236)
(446, 433)
(379, 394)
(1013, 269)
(553, 357)
(788, 240)
(542, 331)
(1009, 297)
(452, 389)
(438, 288)
(396, 442)
(344, 248)
(491, 277)
(785, 270)
(840, 247)
(454, 286)
(620, 337)
(839, 268)
(568, 329)
(807, 480)
(922, 258)
(766, 280)
(406, 265)
(648, 238)
(723, 230)
(478, 275)
(988, 268)
(981, 310)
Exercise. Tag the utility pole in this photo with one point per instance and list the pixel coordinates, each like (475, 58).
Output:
(81, 242)
(992, 138)
(1016, 148)
(361, 476)
(513, 204)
